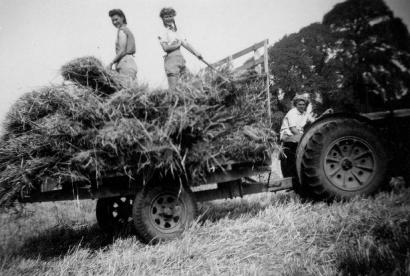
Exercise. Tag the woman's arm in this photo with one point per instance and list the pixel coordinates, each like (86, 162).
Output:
(169, 47)
(122, 44)
(191, 49)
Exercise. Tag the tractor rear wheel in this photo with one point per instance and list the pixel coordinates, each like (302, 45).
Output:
(340, 158)
(162, 213)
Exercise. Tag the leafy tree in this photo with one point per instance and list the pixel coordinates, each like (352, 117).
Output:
(296, 62)
(375, 46)
(357, 60)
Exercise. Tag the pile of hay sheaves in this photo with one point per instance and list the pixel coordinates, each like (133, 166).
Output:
(94, 126)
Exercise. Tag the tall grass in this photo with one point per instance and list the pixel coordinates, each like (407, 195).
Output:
(267, 234)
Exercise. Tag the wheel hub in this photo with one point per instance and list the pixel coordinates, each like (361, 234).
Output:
(166, 212)
(350, 163)
(346, 164)
(120, 210)
(114, 214)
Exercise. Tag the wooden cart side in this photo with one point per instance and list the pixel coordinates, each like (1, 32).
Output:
(71, 190)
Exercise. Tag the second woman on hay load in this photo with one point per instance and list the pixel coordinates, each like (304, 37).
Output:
(171, 42)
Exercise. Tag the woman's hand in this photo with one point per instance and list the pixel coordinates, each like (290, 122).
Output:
(171, 47)
(176, 43)
(109, 66)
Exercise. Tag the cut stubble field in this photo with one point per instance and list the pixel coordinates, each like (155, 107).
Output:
(266, 234)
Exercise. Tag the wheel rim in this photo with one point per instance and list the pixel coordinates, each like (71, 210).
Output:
(350, 163)
(167, 213)
(120, 210)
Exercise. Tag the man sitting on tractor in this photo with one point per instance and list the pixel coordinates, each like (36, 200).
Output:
(291, 132)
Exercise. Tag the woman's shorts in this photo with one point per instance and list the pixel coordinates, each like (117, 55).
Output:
(127, 67)
(174, 65)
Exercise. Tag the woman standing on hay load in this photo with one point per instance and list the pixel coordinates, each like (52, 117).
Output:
(171, 42)
(124, 47)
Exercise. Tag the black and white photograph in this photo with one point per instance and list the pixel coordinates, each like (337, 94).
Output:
(205, 137)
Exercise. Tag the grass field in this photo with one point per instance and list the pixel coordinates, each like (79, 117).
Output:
(267, 234)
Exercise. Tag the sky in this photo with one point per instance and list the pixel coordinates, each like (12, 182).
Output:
(38, 36)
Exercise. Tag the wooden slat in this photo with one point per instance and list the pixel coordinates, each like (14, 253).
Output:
(240, 53)
(239, 189)
(385, 114)
(251, 64)
(79, 193)
(266, 68)
(235, 174)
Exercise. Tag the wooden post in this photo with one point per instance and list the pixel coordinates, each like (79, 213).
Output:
(266, 61)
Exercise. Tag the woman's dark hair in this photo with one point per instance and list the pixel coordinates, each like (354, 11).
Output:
(118, 12)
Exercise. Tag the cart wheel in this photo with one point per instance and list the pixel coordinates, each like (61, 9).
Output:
(114, 214)
(162, 213)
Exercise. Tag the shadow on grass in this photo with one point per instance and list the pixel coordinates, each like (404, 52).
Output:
(385, 250)
(233, 209)
(58, 241)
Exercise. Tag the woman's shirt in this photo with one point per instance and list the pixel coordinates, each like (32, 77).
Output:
(130, 45)
(170, 37)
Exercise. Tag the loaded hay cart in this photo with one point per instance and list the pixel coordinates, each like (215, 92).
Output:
(162, 206)
(339, 156)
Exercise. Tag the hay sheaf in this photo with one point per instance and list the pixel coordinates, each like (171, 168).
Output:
(89, 71)
(35, 105)
(78, 134)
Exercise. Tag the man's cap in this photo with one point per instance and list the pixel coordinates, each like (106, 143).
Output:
(300, 97)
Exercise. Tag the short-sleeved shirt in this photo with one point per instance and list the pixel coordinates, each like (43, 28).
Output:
(294, 119)
(169, 36)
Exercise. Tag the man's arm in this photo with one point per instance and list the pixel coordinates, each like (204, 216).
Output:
(294, 130)
(122, 43)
